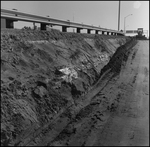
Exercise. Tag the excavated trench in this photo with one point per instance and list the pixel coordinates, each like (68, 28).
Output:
(50, 83)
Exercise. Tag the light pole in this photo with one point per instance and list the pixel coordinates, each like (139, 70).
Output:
(119, 16)
(125, 21)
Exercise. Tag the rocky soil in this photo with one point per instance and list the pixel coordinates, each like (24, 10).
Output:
(51, 80)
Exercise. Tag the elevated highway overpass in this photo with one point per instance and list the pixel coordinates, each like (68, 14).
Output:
(9, 16)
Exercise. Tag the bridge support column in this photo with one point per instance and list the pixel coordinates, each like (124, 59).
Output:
(64, 29)
(88, 31)
(96, 31)
(7, 23)
(3, 23)
(78, 30)
(103, 32)
(43, 26)
(107, 33)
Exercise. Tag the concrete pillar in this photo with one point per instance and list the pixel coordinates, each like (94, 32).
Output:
(43, 26)
(3, 23)
(103, 32)
(9, 23)
(34, 26)
(107, 33)
(96, 31)
(88, 31)
(64, 29)
(78, 30)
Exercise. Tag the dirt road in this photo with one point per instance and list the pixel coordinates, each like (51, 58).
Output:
(119, 114)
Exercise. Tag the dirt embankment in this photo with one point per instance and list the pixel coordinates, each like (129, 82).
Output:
(43, 73)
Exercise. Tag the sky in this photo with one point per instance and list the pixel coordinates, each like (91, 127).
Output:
(97, 13)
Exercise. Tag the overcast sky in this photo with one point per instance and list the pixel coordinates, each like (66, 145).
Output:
(103, 13)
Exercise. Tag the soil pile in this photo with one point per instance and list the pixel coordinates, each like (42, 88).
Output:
(45, 72)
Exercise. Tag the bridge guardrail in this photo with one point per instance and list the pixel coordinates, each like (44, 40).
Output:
(47, 20)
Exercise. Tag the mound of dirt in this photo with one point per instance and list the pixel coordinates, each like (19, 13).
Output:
(44, 72)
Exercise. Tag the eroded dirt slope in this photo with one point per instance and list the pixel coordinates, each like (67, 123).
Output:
(118, 115)
(46, 76)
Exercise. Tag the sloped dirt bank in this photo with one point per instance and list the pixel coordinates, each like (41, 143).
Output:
(36, 96)
(118, 114)
(75, 126)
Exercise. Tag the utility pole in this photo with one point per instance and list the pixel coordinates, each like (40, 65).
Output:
(73, 21)
(119, 17)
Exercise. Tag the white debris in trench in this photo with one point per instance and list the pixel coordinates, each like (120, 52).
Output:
(69, 74)
(103, 57)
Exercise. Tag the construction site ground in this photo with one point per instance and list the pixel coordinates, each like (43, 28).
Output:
(68, 89)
